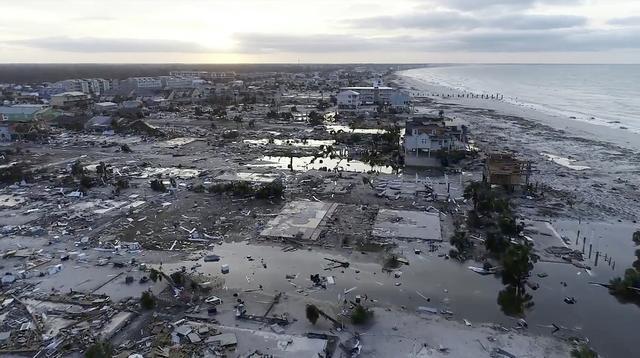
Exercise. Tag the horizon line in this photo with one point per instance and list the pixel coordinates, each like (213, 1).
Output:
(317, 63)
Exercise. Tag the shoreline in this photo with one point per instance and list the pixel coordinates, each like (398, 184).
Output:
(591, 177)
(574, 127)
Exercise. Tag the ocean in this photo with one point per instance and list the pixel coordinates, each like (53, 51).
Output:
(600, 94)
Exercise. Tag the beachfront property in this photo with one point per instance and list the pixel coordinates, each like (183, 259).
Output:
(426, 137)
(353, 98)
(348, 100)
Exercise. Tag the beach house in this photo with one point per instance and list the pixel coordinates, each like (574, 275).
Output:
(368, 98)
(426, 139)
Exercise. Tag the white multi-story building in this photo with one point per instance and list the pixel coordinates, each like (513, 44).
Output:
(88, 86)
(99, 85)
(203, 75)
(176, 82)
(144, 82)
(189, 74)
(221, 75)
(348, 99)
(75, 85)
(373, 96)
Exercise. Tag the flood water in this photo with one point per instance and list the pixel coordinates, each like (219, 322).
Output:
(291, 142)
(565, 162)
(320, 163)
(448, 284)
(347, 129)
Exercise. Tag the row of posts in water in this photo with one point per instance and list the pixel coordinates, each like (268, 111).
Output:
(607, 259)
(496, 96)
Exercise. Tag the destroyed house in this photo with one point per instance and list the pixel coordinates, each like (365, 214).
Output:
(18, 119)
(185, 96)
(504, 169)
(69, 100)
(98, 124)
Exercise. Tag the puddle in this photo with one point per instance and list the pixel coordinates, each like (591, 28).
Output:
(321, 163)
(250, 177)
(291, 142)
(346, 129)
(565, 162)
(176, 142)
(169, 172)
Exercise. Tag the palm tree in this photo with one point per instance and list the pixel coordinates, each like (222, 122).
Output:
(313, 313)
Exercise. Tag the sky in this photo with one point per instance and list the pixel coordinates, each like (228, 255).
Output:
(326, 31)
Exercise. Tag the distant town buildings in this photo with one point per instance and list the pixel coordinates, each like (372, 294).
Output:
(203, 75)
(89, 86)
(143, 82)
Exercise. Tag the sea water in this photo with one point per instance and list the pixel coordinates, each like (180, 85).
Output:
(601, 94)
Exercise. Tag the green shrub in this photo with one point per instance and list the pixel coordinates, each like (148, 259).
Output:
(361, 315)
(147, 300)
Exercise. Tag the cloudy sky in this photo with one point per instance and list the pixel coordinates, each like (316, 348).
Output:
(392, 31)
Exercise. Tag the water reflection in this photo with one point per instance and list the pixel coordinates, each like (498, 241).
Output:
(322, 163)
(514, 302)
(291, 142)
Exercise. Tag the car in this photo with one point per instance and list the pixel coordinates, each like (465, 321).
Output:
(213, 300)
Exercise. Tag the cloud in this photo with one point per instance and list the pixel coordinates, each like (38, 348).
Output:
(504, 4)
(545, 41)
(447, 20)
(110, 45)
(536, 22)
(425, 20)
(265, 43)
(94, 18)
(555, 40)
(625, 21)
(561, 40)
